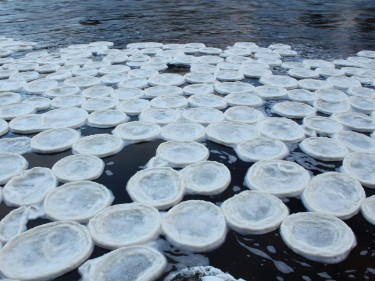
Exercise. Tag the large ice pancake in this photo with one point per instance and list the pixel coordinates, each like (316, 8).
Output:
(355, 121)
(203, 115)
(94, 104)
(166, 79)
(292, 109)
(277, 177)
(254, 212)
(282, 129)
(301, 95)
(368, 209)
(183, 131)
(46, 252)
(100, 145)
(195, 225)
(360, 166)
(13, 110)
(10, 165)
(137, 131)
(318, 237)
(54, 140)
(69, 117)
(283, 81)
(125, 225)
(335, 194)
(356, 141)
(133, 107)
(322, 125)
(106, 118)
(171, 102)
(244, 114)
(323, 148)
(161, 116)
(245, 99)
(4, 128)
(16, 145)
(207, 100)
(138, 263)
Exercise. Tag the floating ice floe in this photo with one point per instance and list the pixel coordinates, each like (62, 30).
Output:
(205, 273)
(360, 166)
(158, 91)
(195, 225)
(54, 140)
(161, 188)
(206, 178)
(270, 92)
(4, 128)
(166, 79)
(171, 102)
(316, 63)
(82, 81)
(97, 92)
(16, 145)
(70, 117)
(27, 124)
(332, 95)
(40, 86)
(39, 103)
(244, 99)
(127, 93)
(125, 225)
(303, 73)
(254, 212)
(313, 84)
(343, 82)
(195, 77)
(100, 145)
(29, 187)
(27, 76)
(355, 121)
(77, 201)
(356, 141)
(11, 85)
(197, 89)
(335, 194)
(62, 91)
(277, 177)
(329, 71)
(362, 104)
(261, 148)
(324, 148)
(161, 116)
(301, 95)
(368, 209)
(11, 164)
(330, 107)
(361, 92)
(256, 70)
(207, 100)
(283, 81)
(9, 98)
(183, 131)
(318, 237)
(133, 263)
(203, 115)
(106, 118)
(244, 114)
(133, 107)
(293, 109)
(61, 245)
(322, 125)
(134, 82)
(137, 131)
(282, 129)
(78, 167)
(13, 110)
(229, 75)
(95, 104)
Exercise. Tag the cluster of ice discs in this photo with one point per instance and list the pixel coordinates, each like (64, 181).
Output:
(326, 108)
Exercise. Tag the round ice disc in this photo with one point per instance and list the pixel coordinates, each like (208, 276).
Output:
(117, 68)
(360, 166)
(293, 109)
(230, 133)
(77, 201)
(166, 79)
(361, 92)
(197, 89)
(161, 116)
(100, 145)
(282, 129)
(39, 103)
(17, 145)
(135, 263)
(226, 88)
(362, 104)
(243, 114)
(157, 91)
(211, 100)
(11, 85)
(329, 71)
(323, 148)
(270, 92)
(261, 148)
(26, 255)
(254, 212)
(137, 131)
(106, 118)
(206, 178)
(97, 92)
(134, 82)
(11, 164)
(142, 73)
(194, 77)
(14, 223)
(245, 99)
(335, 194)
(355, 121)
(82, 82)
(256, 70)
(78, 167)
(356, 141)
(277, 177)
(160, 188)
(303, 73)
(195, 225)
(62, 91)
(179, 154)
(313, 84)
(70, 117)
(322, 125)
(125, 225)
(315, 63)
(171, 102)
(283, 81)
(95, 104)
(40, 86)
(27, 124)
(229, 75)
(368, 209)
(343, 82)
(9, 97)
(13, 110)
(183, 131)
(127, 94)
(318, 237)
(331, 107)
(203, 115)
(29, 187)
(54, 140)
(133, 106)
(4, 128)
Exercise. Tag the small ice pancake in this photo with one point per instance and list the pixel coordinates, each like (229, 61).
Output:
(203, 115)
(183, 131)
(138, 263)
(277, 177)
(125, 225)
(261, 148)
(160, 188)
(194, 77)
(9, 97)
(313, 84)
(17, 145)
(318, 237)
(158, 91)
(11, 85)
(362, 104)
(206, 178)
(256, 70)
(133, 107)
(243, 114)
(343, 82)
(119, 68)
(106, 118)
(331, 107)
(229, 75)
(195, 225)
(100, 145)
(322, 125)
(367, 54)
(39, 103)
(328, 71)
(332, 95)
(368, 209)
(10, 165)
(68, 101)
(335, 194)
(27, 124)
(270, 92)
(137, 131)
(134, 82)
(245, 99)
(13, 110)
(282, 81)
(315, 63)
(355, 121)
(77, 201)
(197, 89)
(40, 86)
(54, 140)
(166, 79)
(303, 73)
(82, 82)
(210, 100)
(324, 148)
(360, 166)
(227, 88)
(361, 92)
(142, 73)
(254, 212)
(171, 102)
(230, 133)
(179, 154)
(62, 91)
(97, 92)
(282, 129)
(127, 94)
(61, 245)
(4, 128)
(69, 117)
(95, 104)
(161, 116)
(293, 109)
(356, 142)
(29, 187)
(78, 167)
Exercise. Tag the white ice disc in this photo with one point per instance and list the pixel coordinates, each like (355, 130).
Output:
(100, 145)
(166, 79)
(282, 129)
(355, 121)
(331, 107)
(210, 100)
(134, 82)
(282, 81)
(171, 102)
(17, 145)
(96, 104)
(13, 110)
(194, 77)
(226, 88)
(203, 115)
(15, 222)
(360, 166)
(245, 99)
(10, 165)
(137, 131)
(362, 104)
(161, 116)
(54, 140)
(62, 91)
(157, 91)
(133, 107)
(323, 148)
(27, 124)
(315, 63)
(243, 114)
(332, 95)
(10, 97)
(303, 73)
(39, 103)
(40, 86)
(68, 101)
(362, 92)
(183, 131)
(270, 92)
(313, 84)
(127, 93)
(197, 89)
(69, 117)
(322, 125)
(106, 118)
(368, 209)
(293, 109)
(356, 142)
(97, 92)
(4, 128)
(82, 82)
(343, 82)
(229, 75)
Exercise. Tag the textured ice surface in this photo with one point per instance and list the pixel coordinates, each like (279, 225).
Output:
(68, 101)
(4, 128)
(97, 92)
(125, 225)
(282, 129)
(183, 131)
(356, 141)
(133, 107)
(10, 165)
(100, 145)
(161, 116)
(70, 117)
(292, 109)
(330, 107)
(106, 118)
(158, 91)
(324, 148)
(17, 145)
(9, 97)
(301, 95)
(355, 121)
(313, 84)
(127, 93)
(270, 92)
(62, 91)
(39, 86)
(27, 124)
(253, 212)
(368, 209)
(362, 104)
(104, 103)
(54, 140)
(39, 103)
(360, 166)
(207, 100)
(206, 273)
(318, 237)
(283, 81)
(166, 79)
(203, 115)
(137, 131)
(169, 102)
(82, 81)
(246, 99)
(322, 125)
(13, 110)
(332, 95)
(198, 89)
(243, 114)
(195, 225)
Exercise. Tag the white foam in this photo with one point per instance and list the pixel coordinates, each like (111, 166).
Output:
(360, 166)
(282, 129)
(16, 145)
(323, 148)
(54, 140)
(203, 115)
(100, 145)
(10, 165)
(355, 121)
(106, 118)
(183, 131)
(368, 209)
(137, 131)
